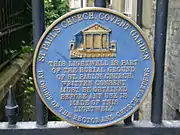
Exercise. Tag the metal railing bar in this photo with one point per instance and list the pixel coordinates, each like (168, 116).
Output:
(14, 29)
(139, 23)
(10, 27)
(159, 55)
(38, 29)
(61, 127)
(17, 13)
(139, 12)
(100, 3)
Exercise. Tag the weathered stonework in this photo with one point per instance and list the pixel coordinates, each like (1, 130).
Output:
(148, 22)
(172, 64)
(172, 70)
(171, 102)
(148, 28)
(10, 76)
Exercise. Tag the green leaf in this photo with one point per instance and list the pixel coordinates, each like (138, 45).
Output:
(55, 9)
(31, 89)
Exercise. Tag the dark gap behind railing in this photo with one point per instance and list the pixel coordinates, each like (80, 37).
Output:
(15, 27)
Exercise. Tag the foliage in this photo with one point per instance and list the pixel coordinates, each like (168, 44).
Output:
(27, 86)
(11, 54)
(26, 49)
(14, 53)
(28, 105)
(55, 118)
(55, 9)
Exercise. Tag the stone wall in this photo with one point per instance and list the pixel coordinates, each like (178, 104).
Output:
(172, 70)
(171, 102)
(172, 63)
(10, 76)
(148, 21)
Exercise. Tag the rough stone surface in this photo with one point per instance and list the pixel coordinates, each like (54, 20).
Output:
(172, 70)
(11, 75)
(145, 110)
(172, 64)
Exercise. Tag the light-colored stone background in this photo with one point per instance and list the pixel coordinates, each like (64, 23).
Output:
(172, 70)
(172, 64)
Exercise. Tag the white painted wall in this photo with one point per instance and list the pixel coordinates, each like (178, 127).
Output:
(75, 4)
(128, 7)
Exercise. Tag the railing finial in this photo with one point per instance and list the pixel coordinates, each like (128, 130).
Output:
(11, 107)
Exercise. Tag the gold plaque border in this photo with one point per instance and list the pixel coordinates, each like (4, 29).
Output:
(79, 11)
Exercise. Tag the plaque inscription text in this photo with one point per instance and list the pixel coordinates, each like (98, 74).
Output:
(93, 67)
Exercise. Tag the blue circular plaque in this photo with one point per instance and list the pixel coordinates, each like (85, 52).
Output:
(93, 67)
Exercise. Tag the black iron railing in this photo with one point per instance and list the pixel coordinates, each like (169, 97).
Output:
(160, 40)
(15, 27)
(154, 127)
(38, 29)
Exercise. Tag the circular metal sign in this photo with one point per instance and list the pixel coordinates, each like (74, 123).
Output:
(93, 67)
